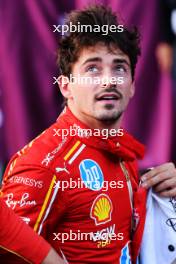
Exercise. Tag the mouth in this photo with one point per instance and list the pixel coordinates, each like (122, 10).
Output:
(108, 97)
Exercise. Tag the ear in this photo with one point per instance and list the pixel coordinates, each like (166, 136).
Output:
(63, 83)
(132, 90)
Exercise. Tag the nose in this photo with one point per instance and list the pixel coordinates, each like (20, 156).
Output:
(108, 85)
(107, 80)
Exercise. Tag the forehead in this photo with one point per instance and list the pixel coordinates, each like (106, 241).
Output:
(103, 52)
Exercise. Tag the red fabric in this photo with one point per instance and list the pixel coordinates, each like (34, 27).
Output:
(140, 213)
(30, 189)
(18, 238)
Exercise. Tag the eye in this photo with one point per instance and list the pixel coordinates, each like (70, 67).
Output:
(120, 68)
(92, 68)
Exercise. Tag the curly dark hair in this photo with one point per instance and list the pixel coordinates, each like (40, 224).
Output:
(72, 43)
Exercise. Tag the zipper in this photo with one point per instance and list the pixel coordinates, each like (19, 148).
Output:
(130, 189)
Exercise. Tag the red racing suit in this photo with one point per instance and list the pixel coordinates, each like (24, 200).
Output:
(16, 237)
(80, 192)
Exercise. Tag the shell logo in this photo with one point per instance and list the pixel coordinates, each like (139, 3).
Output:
(101, 209)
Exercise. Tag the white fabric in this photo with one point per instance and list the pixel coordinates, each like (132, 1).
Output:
(173, 21)
(158, 232)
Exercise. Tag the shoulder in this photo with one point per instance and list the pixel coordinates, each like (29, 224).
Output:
(42, 150)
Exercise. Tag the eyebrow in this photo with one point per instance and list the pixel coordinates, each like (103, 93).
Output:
(95, 59)
(121, 61)
(98, 59)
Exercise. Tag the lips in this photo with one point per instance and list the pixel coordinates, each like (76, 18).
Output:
(108, 96)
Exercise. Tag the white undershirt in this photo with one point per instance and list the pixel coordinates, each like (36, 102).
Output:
(173, 21)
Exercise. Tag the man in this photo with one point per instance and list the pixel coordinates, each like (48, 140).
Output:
(80, 190)
(17, 238)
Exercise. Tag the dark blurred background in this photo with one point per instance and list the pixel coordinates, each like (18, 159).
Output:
(30, 102)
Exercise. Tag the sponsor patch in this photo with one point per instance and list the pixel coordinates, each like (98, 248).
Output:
(91, 174)
(101, 209)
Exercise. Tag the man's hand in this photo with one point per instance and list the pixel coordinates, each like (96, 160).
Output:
(53, 258)
(162, 178)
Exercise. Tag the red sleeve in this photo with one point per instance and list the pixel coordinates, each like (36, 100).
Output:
(18, 238)
(29, 188)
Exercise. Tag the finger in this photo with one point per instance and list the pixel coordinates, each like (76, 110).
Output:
(168, 184)
(159, 178)
(169, 193)
(157, 170)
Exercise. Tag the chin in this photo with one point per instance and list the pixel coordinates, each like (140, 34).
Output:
(109, 116)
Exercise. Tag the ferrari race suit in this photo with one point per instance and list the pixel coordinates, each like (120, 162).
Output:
(18, 238)
(80, 192)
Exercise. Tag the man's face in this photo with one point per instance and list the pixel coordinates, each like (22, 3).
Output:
(103, 100)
